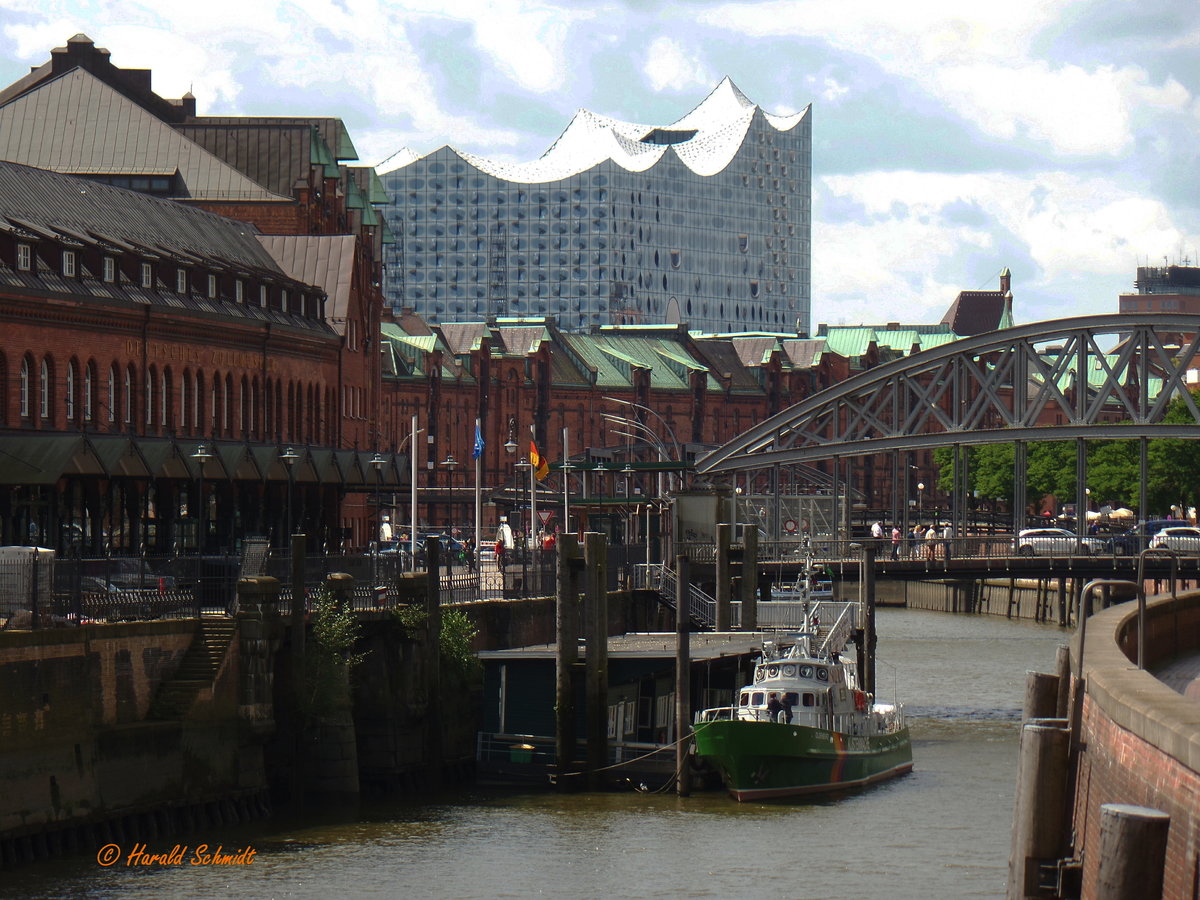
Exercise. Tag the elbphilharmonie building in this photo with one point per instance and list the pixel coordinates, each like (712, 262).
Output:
(704, 221)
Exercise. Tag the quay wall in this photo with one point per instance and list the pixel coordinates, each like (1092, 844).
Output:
(78, 745)
(1037, 601)
(1140, 738)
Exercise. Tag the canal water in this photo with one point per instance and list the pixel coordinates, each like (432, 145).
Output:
(941, 832)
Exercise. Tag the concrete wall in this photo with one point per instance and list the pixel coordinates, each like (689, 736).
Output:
(1141, 739)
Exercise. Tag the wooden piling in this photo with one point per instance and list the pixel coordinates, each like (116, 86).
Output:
(595, 552)
(1041, 696)
(868, 588)
(567, 654)
(724, 531)
(1133, 851)
(683, 676)
(433, 626)
(1041, 804)
(749, 585)
(1062, 668)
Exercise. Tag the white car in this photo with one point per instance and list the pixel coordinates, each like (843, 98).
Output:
(1055, 542)
(1180, 538)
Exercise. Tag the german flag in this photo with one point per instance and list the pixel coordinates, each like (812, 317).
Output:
(541, 468)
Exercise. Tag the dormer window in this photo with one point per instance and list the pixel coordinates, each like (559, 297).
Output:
(212, 287)
(262, 296)
(110, 269)
(283, 301)
(24, 257)
(239, 291)
(68, 263)
(181, 281)
(147, 275)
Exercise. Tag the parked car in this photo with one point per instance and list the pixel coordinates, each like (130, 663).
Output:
(1180, 538)
(1055, 542)
(1137, 538)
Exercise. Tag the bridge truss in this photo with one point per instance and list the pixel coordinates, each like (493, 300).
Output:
(1096, 377)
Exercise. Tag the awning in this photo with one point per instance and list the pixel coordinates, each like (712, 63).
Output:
(43, 459)
(120, 456)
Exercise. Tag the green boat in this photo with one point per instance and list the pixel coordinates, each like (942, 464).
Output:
(805, 726)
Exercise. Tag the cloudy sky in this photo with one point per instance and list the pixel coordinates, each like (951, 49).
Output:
(1055, 137)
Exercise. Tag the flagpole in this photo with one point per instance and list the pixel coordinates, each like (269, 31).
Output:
(478, 454)
(533, 522)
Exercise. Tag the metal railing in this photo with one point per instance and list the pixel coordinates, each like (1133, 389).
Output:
(662, 578)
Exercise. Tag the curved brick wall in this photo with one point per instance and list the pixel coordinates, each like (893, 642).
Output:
(1141, 739)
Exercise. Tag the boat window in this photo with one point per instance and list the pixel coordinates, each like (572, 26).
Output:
(810, 699)
(822, 673)
(790, 699)
(789, 671)
(806, 671)
(772, 671)
(757, 699)
(744, 699)
(759, 674)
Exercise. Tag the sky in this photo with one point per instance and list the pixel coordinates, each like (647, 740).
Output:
(950, 139)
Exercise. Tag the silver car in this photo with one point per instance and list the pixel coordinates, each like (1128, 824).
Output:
(1055, 542)
(1180, 538)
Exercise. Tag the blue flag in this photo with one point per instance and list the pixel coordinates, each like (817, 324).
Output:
(477, 451)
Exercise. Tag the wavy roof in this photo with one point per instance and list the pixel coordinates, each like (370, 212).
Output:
(718, 125)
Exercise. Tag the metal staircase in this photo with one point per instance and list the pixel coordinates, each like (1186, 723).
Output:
(660, 577)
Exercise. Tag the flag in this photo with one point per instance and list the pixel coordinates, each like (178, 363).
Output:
(541, 468)
(477, 450)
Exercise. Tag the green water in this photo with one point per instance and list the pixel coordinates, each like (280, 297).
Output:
(941, 832)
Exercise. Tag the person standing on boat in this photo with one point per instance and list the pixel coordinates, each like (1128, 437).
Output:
(789, 700)
(774, 707)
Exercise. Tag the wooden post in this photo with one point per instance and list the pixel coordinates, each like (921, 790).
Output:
(868, 587)
(595, 552)
(1062, 668)
(1012, 595)
(299, 601)
(1133, 851)
(433, 668)
(1041, 696)
(683, 676)
(567, 654)
(1041, 806)
(724, 531)
(1064, 614)
(749, 585)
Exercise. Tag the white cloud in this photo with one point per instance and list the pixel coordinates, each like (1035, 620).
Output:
(670, 67)
(1074, 227)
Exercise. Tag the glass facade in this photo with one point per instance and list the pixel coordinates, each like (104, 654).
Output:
(728, 251)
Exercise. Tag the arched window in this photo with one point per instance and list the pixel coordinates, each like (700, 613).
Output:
(198, 404)
(165, 400)
(127, 399)
(226, 417)
(112, 393)
(244, 407)
(151, 378)
(185, 407)
(70, 391)
(214, 405)
(89, 390)
(44, 390)
(24, 388)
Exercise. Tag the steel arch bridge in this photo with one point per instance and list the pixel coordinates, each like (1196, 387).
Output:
(1093, 377)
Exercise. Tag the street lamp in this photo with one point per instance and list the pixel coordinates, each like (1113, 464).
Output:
(202, 455)
(289, 457)
(377, 463)
(449, 463)
(920, 502)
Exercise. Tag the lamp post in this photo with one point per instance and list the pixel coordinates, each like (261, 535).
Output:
(289, 457)
(377, 463)
(920, 502)
(525, 463)
(201, 456)
(449, 464)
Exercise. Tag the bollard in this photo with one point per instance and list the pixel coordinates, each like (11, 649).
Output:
(1133, 850)
(258, 594)
(1041, 807)
(340, 587)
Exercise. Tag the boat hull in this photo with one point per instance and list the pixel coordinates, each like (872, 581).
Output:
(762, 760)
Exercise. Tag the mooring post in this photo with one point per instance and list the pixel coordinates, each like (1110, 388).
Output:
(1133, 851)
(433, 626)
(683, 676)
(1041, 696)
(868, 588)
(1041, 805)
(595, 553)
(567, 653)
(749, 585)
(724, 531)
(1062, 668)
(298, 628)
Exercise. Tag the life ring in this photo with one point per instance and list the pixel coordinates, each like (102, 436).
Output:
(860, 701)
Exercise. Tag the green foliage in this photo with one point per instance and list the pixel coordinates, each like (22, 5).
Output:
(458, 633)
(328, 659)
(411, 618)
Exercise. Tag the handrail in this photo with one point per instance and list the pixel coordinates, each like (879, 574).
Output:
(839, 632)
(1168, 551)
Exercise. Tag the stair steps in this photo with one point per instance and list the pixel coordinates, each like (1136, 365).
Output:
(197, 670)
